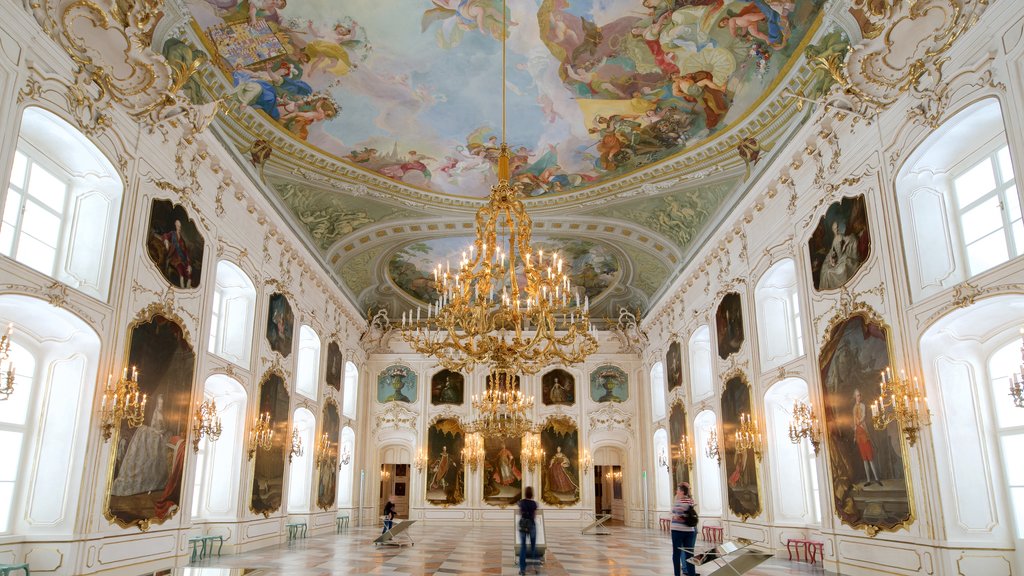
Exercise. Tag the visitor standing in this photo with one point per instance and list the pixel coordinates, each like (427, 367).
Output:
(684, 536)
(527, 527)
(389, 514)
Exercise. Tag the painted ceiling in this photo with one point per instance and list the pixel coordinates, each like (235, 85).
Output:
(633, 123)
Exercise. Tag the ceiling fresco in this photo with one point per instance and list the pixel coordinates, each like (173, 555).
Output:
(596, 89)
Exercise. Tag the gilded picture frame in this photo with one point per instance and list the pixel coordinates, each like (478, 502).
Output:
(868, 468)
(560, 471)
(676, 430)
(743, 478)
(327, 471)
(502, 476)
(445, 483)
(266, 494)
(147, 463)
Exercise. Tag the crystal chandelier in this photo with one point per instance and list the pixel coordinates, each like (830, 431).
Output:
(502, 410)
(205, 422)
(663, 459)
(1016, 380)
(262, 434)
(533, 453)
(900, 400)
(473, 451)
(346, 456)
(296, 446)
(686, 451)
(804, 425)
(748, 437)
(6, 375)
(324, 450)
(503, 305)
(122, 402)
(711, 450)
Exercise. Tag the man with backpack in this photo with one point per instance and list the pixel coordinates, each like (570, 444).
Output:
(684, 530)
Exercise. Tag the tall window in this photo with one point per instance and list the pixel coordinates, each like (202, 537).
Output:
(231, 315)
(217, 463)
(778, 315)
(351, 390)
(989, 211)
(662, 480)
(793, 468)
(308, 367)
(348, 446)
(63, 200)
(300, 471)
(700, 363)
(658, 391)
(1010, 426)
(13, 416)
(709, 471)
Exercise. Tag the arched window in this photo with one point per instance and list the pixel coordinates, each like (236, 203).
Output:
(308, 367)
(795, 480)
(780, 337)
(347, 469)
(709, 473)
(958, 200)
(63, 205)
(44, 424)
(700, 363)
(351, 390)
(218, 463)
(300, 472)
(662, 481)
(658, 391)
(231, 315)
(1009, 422)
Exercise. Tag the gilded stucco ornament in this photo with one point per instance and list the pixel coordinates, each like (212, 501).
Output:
(632, 339)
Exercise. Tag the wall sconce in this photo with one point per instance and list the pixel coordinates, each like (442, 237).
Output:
(262, 434)
(385, 474)
(1016, 381)
(712, 449)
(748, 437)
(421, 460)
(296, 446)
(804, 425)
(901, 401)
(205, 422)
(686, 451)
(663, 459)
(346, 456)
(615, 476)
(122, 403)
(324, 450)
(6, 375)
(473, 451)
(533, 453)
(586, 461)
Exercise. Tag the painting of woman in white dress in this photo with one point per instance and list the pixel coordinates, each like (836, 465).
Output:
(840, 244)
(149, 459)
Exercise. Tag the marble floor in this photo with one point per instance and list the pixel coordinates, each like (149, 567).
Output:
(442, 548)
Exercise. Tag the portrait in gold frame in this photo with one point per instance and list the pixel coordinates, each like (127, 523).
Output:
(268, 466)
(743, 478)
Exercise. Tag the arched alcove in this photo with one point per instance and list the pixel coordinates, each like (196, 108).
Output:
(307, 368)
(780, 338)
(231, 314)
(699, 349)
(217, 464)
(662, 481)
(351, 392)
(658, 391)
(300, 470)
(346, 470)
(795, 488)
(709, 471)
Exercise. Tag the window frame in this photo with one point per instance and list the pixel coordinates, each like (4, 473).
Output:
(34, 156)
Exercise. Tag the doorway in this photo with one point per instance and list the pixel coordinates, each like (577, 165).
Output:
(394, 483)
(608, 491)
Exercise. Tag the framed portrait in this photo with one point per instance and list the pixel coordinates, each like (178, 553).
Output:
(740, 465)
(148, 461)
(503, 471)
(560, 472)
(280, 324)
(327, 472)
(674, 366)
(729, 325)
(868, 466)
(268, 469)
(558, 388)
(401, 470)
(175, 245)
(335, 366)
(396, 383)
(840, 244)
(609, 383)
(447, 387)
(399, 488)
(676, 431)
(445, 484)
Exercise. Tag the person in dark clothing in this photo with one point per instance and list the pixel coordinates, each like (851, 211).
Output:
(389, 514)
(684, 537)
(527, 511)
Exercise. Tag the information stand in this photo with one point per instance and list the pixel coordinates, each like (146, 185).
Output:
(538, 519)
(732, 558)
(598, 526)
(397, 535)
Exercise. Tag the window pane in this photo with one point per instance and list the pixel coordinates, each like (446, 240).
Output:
(14, 409)
(1004, 362)
(12, 207)
(981, 220)
(988, 252)
(1005, 168)
(18, 169)
(975, 183)
(10, 455)
(1012, 447)
(41, 224)
(1018, 237)
(35, 254)
(49, 189)
(1012, 203)
(1017, 497)
(6, 497)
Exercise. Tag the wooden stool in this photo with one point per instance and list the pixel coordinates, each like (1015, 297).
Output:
(342, 522)
(665, 523)
(712, 533)
(5, 569)
(811, 549)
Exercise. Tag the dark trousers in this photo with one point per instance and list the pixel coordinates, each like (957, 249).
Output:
(522, 547)
(682, 549)
(389, 521)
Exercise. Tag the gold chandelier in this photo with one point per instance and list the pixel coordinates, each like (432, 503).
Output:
(900, 400)
(804, 425)
(122, 402)
(1016, 379)
(503, 305)
(712, 450)
(748, 437)
(503, 411)
(262, 434)
(205, 422)
(686, 451)
(473, 451)
(533, 452)
(6, 376)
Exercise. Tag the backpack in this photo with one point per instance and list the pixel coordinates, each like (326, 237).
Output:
(690, 517)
